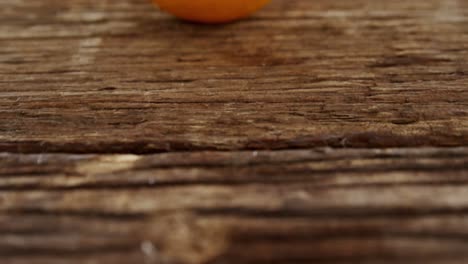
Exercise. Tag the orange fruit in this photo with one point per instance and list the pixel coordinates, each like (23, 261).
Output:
(211, 11)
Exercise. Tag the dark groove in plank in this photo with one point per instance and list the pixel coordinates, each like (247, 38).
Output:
(327, 213)
(360, 140)
(375, 258)
(254, 238)
(226, 183)
(65, 253)
(24, 212)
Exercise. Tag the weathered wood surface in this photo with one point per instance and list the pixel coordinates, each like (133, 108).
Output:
(118, 76)
(296, 206)
(329, 131)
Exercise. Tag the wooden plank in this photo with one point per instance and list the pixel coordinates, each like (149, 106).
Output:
(295, 206)
(87, 76)
(117, 76)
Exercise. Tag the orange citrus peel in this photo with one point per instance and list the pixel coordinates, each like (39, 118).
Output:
(211, 11)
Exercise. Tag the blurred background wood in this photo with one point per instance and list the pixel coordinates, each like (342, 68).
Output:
(316, 131)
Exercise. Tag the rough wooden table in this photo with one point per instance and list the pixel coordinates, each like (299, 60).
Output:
(330, 131)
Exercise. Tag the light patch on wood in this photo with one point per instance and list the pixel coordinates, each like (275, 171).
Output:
(188, 239)
(87, 16)
(107, 164)
(87, 49)
(449, 11)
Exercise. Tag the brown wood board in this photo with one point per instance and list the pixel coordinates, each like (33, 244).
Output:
(317, 131)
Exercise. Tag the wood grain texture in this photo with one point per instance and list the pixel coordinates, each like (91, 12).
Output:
(103, 76)
(324, 131)
(295, 206)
